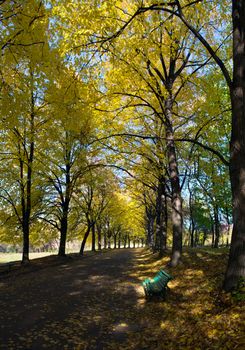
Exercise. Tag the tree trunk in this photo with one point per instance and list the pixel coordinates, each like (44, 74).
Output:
(150, 218)
(27, 213)
(236, 264)
(158, 218)
(192, 233)
(216, 227)
(119, 240)
(65, 200)
(85, 239)
(205, 236)
(228, 226)
(27, 205)
(115, 241)
(163, 217)
(26, 233)
(177, 213)
(150, 230)
(93, 238)
(192, 223)
(165, 221)
(196, 238)
(26, 217)
(109, 243)
(63, 233)
(99, 236)
(212, 229)
(105, 240)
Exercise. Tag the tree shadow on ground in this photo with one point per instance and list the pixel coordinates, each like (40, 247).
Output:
(99, 303)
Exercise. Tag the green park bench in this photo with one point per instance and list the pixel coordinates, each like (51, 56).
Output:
(157, 285)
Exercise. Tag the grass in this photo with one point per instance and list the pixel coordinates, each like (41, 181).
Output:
(9, 257)
(213, 251)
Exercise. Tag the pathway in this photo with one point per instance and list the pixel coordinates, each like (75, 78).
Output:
(85, 303)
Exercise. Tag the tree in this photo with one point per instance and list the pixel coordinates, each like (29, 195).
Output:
(236, 264)
(66, 153)
(93, 196)
(147, 91)
(236, 84)
(24, 42)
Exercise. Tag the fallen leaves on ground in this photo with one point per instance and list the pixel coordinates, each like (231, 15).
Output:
(99, 303)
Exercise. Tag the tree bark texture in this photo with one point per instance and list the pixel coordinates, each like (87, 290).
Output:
(150, 218)
(99, 236)
(161, 217)
(85, 239)
(27, 204)
(236, 264)
(177, 213)
(63, 232)
(216, 227)
(93, 238)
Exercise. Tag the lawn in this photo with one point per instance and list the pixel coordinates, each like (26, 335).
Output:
(8, 257)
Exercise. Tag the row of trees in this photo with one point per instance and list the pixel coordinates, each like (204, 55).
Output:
(129, 86)
(153, 80)
(54, 179)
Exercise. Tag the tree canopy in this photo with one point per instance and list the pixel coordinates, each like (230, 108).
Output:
(123, 121)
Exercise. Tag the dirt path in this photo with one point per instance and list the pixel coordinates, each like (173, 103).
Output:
(88, 303)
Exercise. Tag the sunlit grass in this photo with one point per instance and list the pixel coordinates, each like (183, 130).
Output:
(9, 257)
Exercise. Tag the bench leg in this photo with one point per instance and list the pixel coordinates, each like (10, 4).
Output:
(163, 294)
